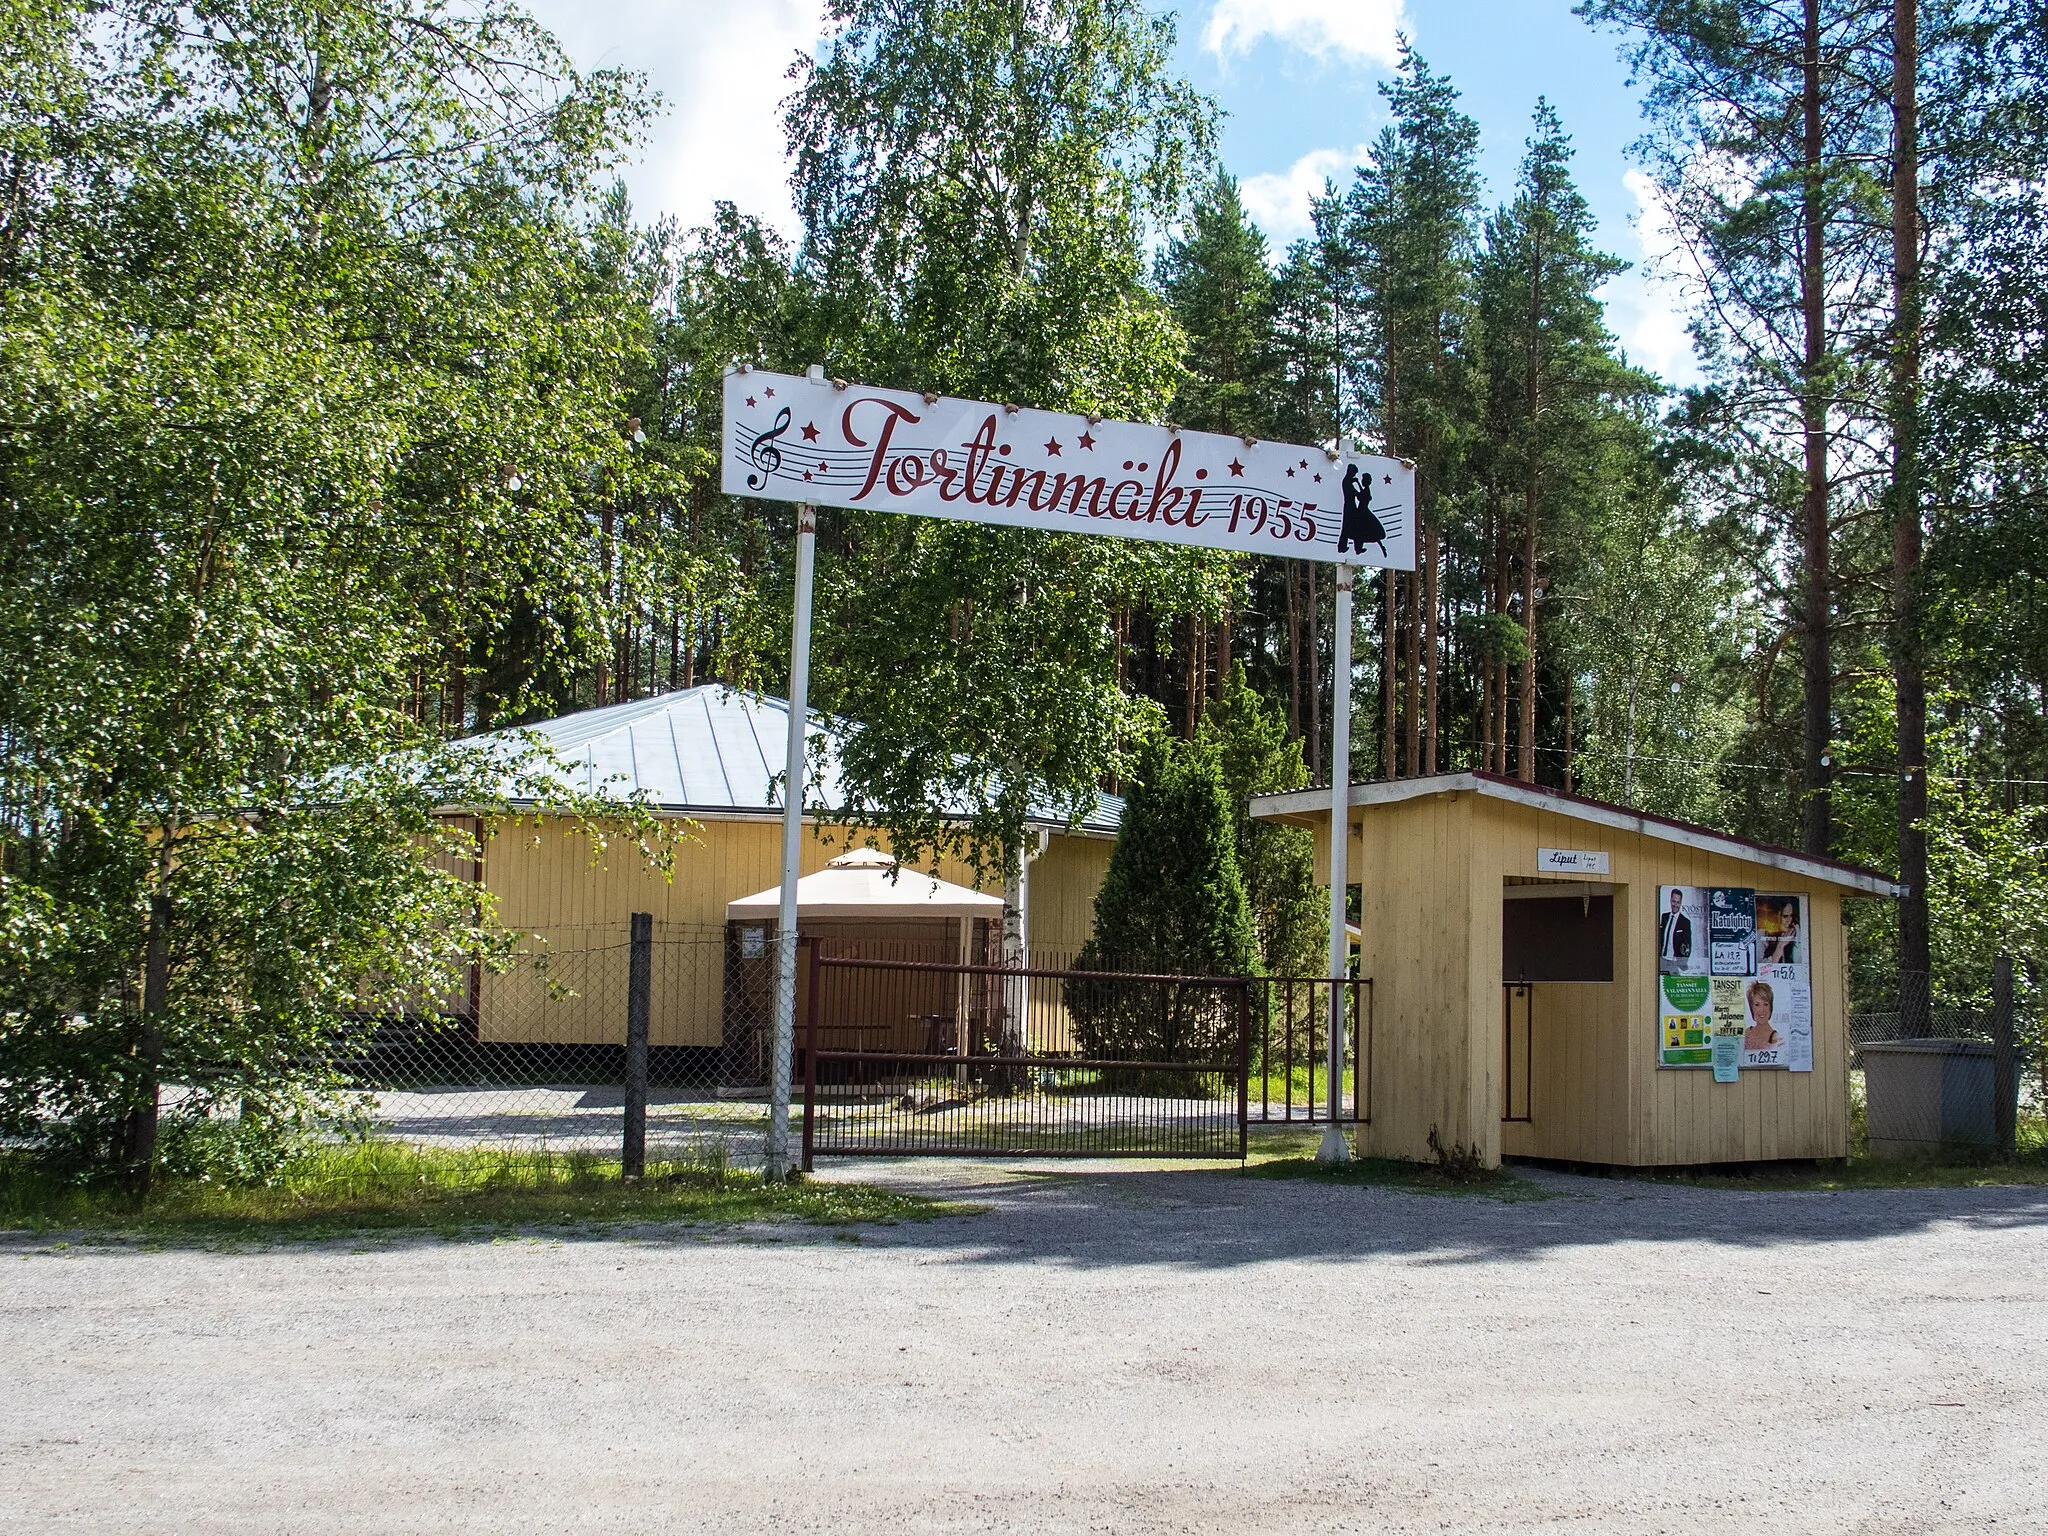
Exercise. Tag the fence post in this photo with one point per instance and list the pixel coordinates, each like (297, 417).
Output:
(811, 1065)
(633, 1152)
(2005, 1074)
(1244, 1066)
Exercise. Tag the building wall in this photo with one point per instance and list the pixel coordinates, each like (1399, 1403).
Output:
(1422, 938)
(1433, 942)
(576, 900)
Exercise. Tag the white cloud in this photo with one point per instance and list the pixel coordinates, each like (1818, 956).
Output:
(719, 65)
(1278, 200)
(1360, 30)
(1646, 306)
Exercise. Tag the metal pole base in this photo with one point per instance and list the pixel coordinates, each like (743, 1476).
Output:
(1335, 1147)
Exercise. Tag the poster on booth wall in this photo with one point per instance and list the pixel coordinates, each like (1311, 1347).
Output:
(1681, 930)
(1777, 1019)
(1685, 1021)
(1731, 930)
(1780, 931)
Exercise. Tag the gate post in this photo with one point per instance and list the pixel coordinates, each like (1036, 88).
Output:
(811, 1063)
(2005, 1075)
(1244, 1066)
(633, 1151)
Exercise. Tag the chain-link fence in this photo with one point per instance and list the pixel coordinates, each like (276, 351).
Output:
(537, 1055)
(1933, 1079)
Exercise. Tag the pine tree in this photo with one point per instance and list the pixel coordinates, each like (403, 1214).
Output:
(1221, 291)
(1550, 367)
(1256, 757)
(1414, 215)
(1171, 903)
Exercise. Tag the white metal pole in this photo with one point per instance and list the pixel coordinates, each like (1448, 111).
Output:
(792, 848)
(1335, 1148)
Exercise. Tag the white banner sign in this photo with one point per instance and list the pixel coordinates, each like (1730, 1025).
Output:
(809, 440)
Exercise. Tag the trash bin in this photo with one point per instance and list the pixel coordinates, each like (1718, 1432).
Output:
(1922, 1097)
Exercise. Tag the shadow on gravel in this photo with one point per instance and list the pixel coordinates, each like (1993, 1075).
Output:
(1216, 1220)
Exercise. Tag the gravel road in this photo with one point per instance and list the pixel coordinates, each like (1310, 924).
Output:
(1098, 1351)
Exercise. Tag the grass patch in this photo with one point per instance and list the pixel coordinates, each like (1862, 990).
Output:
(1866, 1173)
(377, 1186)
(1387, 1173)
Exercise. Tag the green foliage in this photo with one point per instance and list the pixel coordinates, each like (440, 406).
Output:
(1172, 904)
(976, 180)
(1255, 756)
(309, 367)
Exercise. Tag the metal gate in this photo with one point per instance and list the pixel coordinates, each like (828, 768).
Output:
(1290, 1051)
(903, 1058)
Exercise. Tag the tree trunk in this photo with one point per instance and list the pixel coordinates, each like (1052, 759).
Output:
(1389, 672)
(1430, 657)
(604, 547)
(1411, 675)
(1532, 508)
(140, 1130)
(1569, 690)
(1817, 818)
(1486, 653)
(1501, 567)
(1907, 660)
(1525, 755)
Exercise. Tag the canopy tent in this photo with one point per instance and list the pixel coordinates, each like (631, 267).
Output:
(867, 883)
(866, 892)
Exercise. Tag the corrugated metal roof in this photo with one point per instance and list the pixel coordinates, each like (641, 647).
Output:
(709, 749)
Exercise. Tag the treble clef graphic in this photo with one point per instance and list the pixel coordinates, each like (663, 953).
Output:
(764, 455)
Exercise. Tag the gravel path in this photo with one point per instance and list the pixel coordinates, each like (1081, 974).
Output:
(1100, 1350)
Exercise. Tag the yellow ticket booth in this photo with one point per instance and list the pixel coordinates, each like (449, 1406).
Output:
(1556, 977)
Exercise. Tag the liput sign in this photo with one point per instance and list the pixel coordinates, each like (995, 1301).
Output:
(790, 438)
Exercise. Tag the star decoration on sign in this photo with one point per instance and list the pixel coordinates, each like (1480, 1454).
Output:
(1236, 468)
(750, 401)
(810, 431)
(1389, 479)
(769, 393)
(1319, 479)
(807, 474)
(1290, 471)
(1087, 440)
(1304, 463)
(1052, 448)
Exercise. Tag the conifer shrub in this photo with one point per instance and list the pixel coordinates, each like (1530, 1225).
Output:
(1171, 904)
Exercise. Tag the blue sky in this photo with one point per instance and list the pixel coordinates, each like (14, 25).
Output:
(1297, 78)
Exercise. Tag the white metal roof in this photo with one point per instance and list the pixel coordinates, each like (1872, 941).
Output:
(711, 751)
(1313, 806)
(858, 884)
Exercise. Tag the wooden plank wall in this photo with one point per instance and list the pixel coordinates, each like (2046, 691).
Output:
(1064, 880)
(1433, 871)
(577, 901)
(1597, 1093)
(1423, 935)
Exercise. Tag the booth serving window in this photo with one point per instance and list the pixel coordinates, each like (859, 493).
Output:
(1557, 931)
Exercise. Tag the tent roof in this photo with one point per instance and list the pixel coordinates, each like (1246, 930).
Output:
(858, 884)
(1311, 807)
(712, 751)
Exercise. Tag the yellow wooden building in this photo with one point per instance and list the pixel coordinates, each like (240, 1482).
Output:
(713, 756)
(1529, 994)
